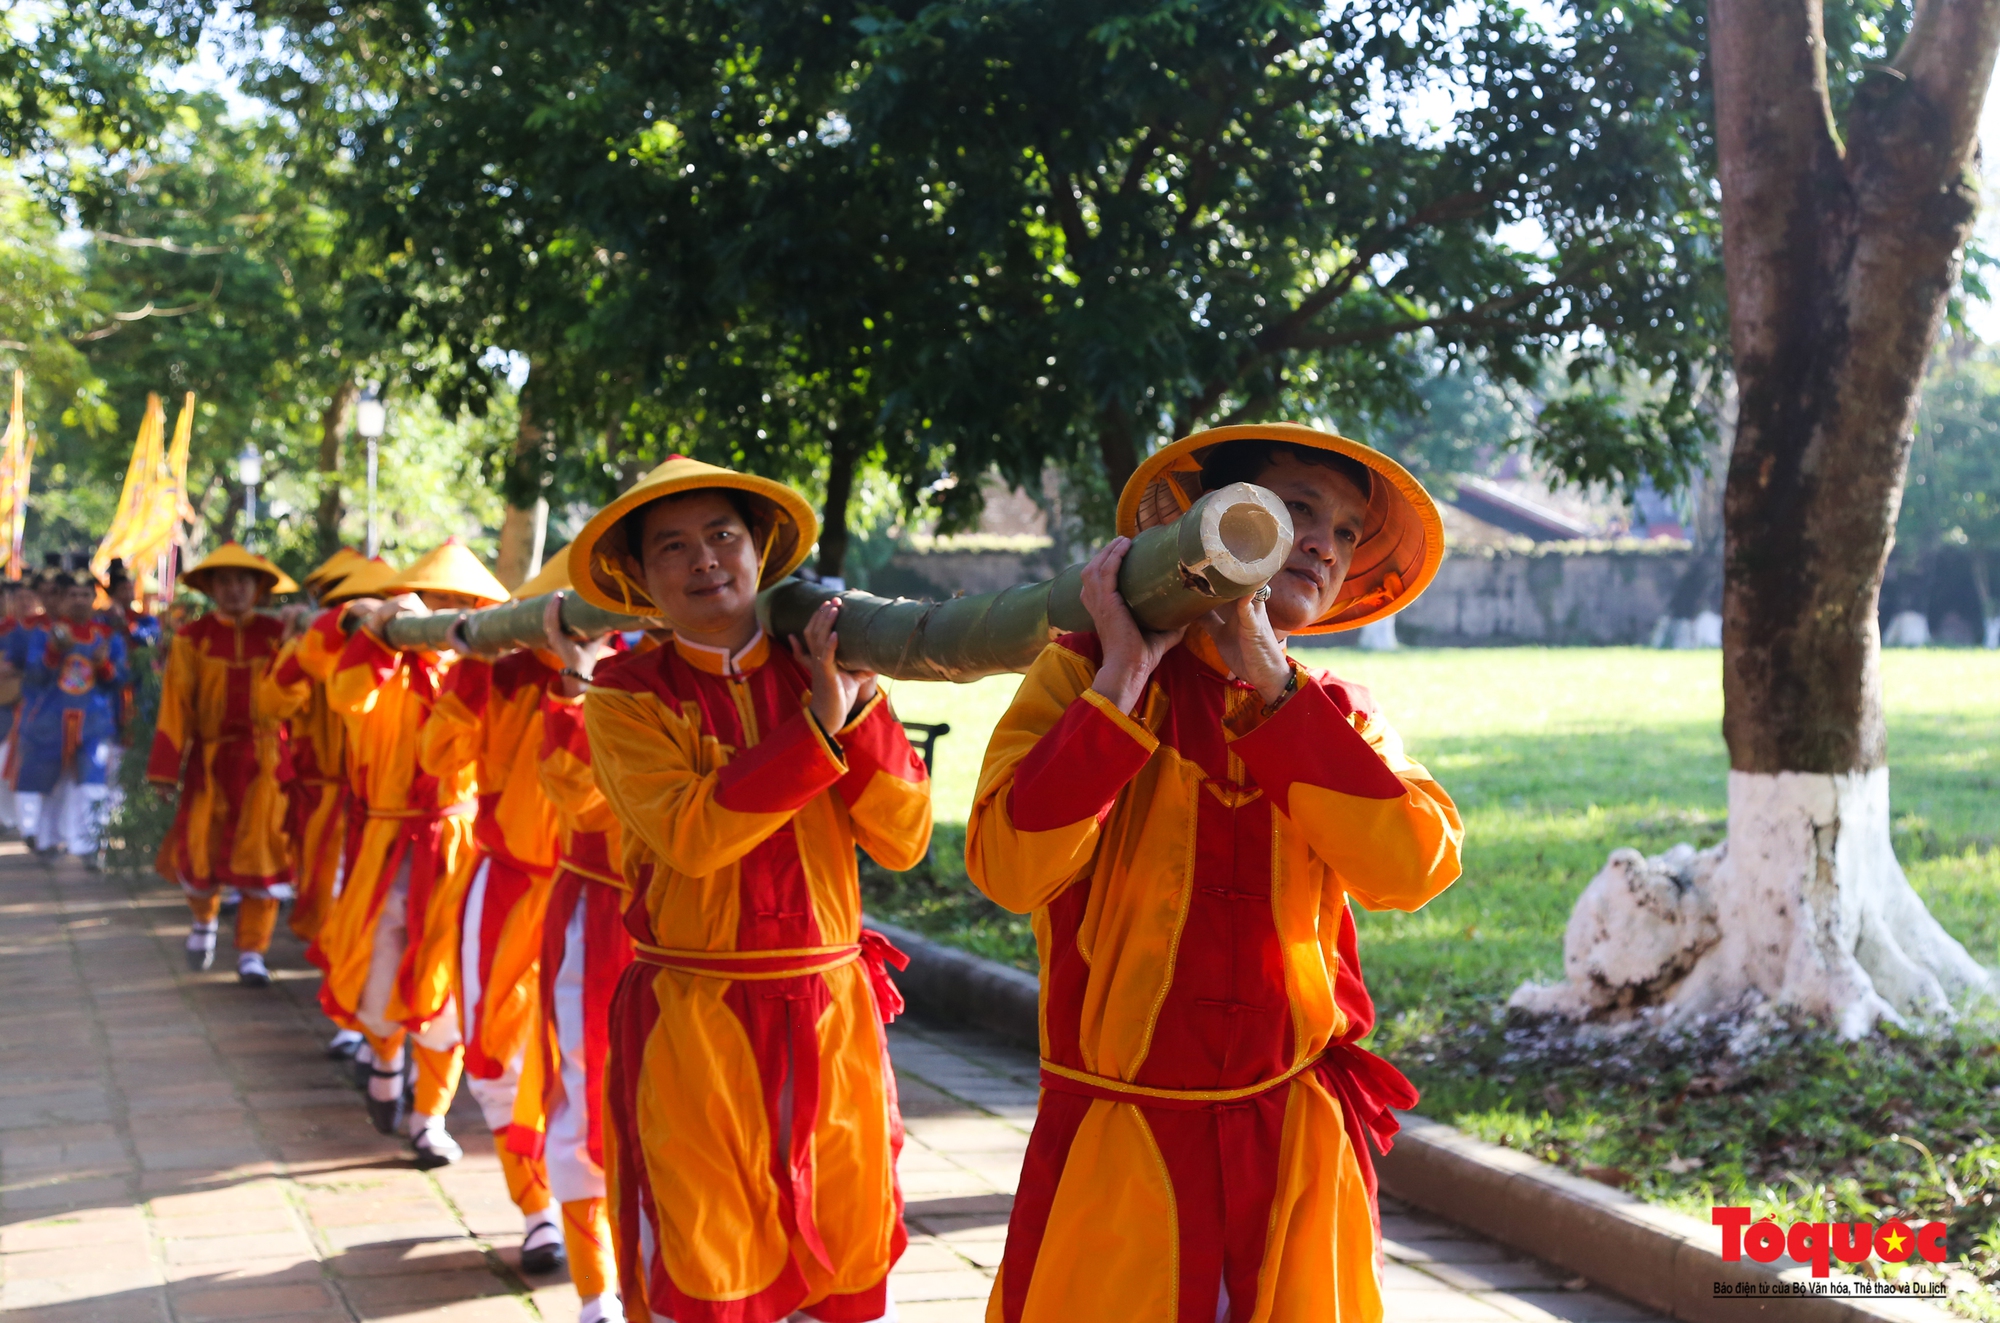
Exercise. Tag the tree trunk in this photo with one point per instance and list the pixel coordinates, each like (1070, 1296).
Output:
(832, 560)
(525, 525)
(332, 428)
(1839, 262)
(1117, 448)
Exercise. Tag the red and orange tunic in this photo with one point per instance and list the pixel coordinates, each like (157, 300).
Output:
(588, 882)
(488, 723)
(221, 744)
(400, 812)
(1189, 869)
(753, 1010)
(316, 788)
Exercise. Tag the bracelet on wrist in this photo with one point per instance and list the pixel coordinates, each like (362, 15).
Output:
(1291, 687)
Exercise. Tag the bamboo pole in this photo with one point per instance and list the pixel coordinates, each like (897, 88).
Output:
(1227, 546)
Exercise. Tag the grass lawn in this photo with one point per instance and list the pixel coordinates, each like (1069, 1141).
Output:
(1556, 757)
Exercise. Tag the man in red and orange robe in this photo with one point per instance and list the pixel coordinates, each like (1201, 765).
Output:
(489, 719)
(324, 784)
(752, 1123)
(218, 743)
(1187, 818)
(387, 943)
(585, 949)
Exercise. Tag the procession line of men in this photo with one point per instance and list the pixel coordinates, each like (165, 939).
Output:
(616, 887)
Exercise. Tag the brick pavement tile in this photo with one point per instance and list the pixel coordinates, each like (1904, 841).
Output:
(23, 1292)
(209, 1099)
(982, 1252)
(1402, 1277)
(197, 1226)
(344, 1239)
(63, 1103)
(1507, 1275)
(92, 1226)
(942, 1311)
(251, 1300)
(112, 1256)
(1571, 1307)
(927, 1254)
(288, 1243)
(946, 1182)
(401, 1257)
(919, 1156)
(558, 1304)
(132, 1307)
(494, 1309)
(367, 1209)
(61, 1196)
(970, 1133)
(1439, 1307)
(279, 1269)
(233, 1197)
(955, 1284)
(433, 1287)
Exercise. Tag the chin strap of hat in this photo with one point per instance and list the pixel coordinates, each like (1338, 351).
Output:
(609, 567)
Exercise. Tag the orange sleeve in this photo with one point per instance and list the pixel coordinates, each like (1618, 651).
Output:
(1055, 766)
(648, 758)
(285, 689)
(175, 721)
(451, 732)
(358, 673)
(564, 770)
(886, 789)
(1377, 819)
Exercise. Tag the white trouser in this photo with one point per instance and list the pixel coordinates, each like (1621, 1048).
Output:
(495, 1097)
(70, 815)
(572, 1175)
(385, 957)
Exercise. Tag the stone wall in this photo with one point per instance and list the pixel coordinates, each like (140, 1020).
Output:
(1548, 598)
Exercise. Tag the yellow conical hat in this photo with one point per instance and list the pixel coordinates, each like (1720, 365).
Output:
(1402, 537)
(785, 532)
(235, 556)
(344, 561)
(452, 568)
(367, 579)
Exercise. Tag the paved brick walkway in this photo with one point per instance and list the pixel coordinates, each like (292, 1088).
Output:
(174, 1147)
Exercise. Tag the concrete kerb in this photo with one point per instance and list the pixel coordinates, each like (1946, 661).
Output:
(1664, 1260)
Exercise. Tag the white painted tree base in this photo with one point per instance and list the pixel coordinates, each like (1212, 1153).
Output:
(1803, 907)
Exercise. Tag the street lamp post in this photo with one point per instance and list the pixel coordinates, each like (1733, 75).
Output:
(370, 418)
(249, 471)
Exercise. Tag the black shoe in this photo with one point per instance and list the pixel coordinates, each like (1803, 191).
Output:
(250, 970)
(200, 949)
(343, 1045)
(542, 1250)
(435, 1148)
(361, 1065)
(387, 1116)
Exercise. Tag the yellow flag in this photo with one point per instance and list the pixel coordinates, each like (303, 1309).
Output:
(159, 520)
(13, 448)
(143, 475)
(23, 469)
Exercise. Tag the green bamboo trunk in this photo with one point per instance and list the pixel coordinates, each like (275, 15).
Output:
(1227, 546)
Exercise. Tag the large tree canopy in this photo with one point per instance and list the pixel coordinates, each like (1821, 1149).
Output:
(956, 236)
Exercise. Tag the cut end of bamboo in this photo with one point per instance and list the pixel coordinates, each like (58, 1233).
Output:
(1246, 534)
